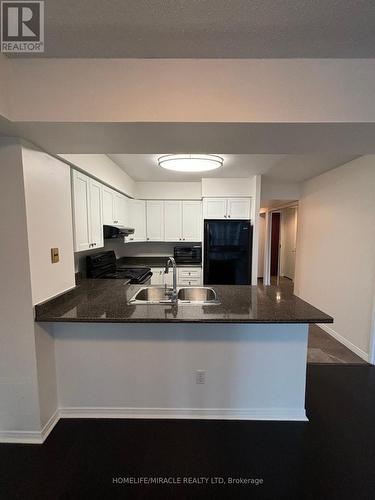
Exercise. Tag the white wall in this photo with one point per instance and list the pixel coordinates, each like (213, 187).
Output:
(277, 190)
(169, 190)
(335, 265)
(19, 404)
(149, 370)
(102, 168)
(212, 187)
(4, 73)
(49, 223)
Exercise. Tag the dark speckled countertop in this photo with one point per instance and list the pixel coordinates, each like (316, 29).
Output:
(108, 301)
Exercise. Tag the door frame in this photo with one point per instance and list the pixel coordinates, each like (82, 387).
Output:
(268, 240)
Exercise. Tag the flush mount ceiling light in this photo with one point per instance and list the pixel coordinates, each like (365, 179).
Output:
(190, 163)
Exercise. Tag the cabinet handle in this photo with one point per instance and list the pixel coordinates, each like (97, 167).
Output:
(183, 239)
(147, 239)
(225, 216)
(229, 216)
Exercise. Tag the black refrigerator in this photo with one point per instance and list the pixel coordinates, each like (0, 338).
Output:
(227, 252)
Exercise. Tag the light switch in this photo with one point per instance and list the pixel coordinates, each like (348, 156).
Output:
(55, 255)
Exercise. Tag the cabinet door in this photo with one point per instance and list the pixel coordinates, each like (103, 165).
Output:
(173, 220)
(108, 206)
(239, 208)
(137, 220)
(81, 188)
(215, 208)
(119, 209)
(155, 220)
(192, 223)
(190, 282)
(95, 216)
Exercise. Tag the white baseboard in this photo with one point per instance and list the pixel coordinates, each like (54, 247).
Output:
(35, 437)
(187, 413)
(30, 437)
(362, 354)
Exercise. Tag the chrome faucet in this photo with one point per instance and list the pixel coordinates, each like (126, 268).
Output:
(173, 294)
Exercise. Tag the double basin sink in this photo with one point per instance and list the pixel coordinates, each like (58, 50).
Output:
(185, 295)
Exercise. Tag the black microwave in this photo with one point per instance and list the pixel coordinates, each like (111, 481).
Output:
(188, 255)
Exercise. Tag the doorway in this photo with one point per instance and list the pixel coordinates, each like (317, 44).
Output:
(275, 245)
(288, 242)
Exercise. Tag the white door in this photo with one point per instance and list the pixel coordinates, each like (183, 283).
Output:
(81, 211)
(192, 222)
(239, 208)
(137, 220)
(289, 217)
(96, 221)
(119, 209)
(108, 206)
(155, 220)
(215, 208)
(172, 220)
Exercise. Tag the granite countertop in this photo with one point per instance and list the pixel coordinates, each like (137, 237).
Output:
(108, 301)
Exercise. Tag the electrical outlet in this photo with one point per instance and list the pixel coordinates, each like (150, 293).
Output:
(200, 377)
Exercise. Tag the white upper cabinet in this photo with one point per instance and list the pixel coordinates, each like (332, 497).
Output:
(108, 196)
(227, 208)
(137, 220)
(183, 220)
(87, 211)
(173, 220)
(192, 223)
(215, 208)
(155, 220)
(96, 220)
(115, 209)
(81, 188)
(119, 209)
(239, 208)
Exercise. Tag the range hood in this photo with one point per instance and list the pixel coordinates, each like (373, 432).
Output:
(117, 231)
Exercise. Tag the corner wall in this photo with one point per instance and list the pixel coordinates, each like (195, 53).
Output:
(19, 400)
(335, 260)
(49, 223)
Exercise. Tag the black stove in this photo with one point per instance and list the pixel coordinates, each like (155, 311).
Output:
(104, 266)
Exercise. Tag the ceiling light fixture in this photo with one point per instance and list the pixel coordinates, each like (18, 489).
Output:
(190, 163)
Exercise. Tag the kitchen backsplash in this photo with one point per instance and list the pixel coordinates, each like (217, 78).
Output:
(145, 249)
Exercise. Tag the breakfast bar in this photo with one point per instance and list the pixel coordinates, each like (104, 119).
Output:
(243, 356)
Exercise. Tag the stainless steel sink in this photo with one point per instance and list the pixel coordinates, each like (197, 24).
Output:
(151, 295)
(197, 294)
(185, 295)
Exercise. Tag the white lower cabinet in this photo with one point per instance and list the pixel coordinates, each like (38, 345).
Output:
(186, 276)
(190, 282)
(189, 276)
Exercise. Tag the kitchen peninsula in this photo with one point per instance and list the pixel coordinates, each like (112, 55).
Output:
(243, 357)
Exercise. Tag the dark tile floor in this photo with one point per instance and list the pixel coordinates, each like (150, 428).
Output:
(331, 457)
(322, 347)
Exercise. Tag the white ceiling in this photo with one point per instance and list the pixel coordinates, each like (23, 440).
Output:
(282, 168)
(210, 28)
